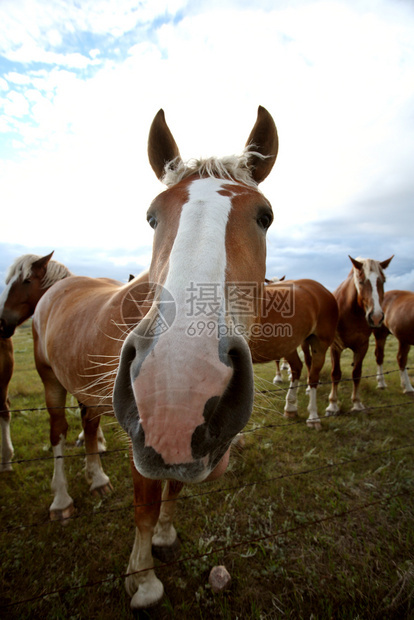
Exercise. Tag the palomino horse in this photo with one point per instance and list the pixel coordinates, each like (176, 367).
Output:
(398, 309)
(296, 313)
(6, 372)
(78, 329)
(359, 300)
(27, 280)
(184, 392)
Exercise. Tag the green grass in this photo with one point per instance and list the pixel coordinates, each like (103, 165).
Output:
(313, 524)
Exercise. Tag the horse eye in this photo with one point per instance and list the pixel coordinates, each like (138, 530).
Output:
(152, 221)
(264, 220)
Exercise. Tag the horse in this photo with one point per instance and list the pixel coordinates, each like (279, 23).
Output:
(296, 313)
(27, 279)
(359, 299)
(184, 388)
(78, 328)
(6, 372)
(398, 307)
(284, 365)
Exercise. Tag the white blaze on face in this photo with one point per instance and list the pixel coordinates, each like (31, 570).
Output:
(372, 274)
(199, 250)
(184, 370)
(376, 304)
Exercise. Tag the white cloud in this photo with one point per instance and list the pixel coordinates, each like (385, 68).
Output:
(337, 77)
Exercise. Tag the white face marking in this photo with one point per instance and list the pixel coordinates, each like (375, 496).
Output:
(199, 251)
(376, 305)
(371, 274)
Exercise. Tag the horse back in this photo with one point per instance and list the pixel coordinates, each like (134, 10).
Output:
(76, 325)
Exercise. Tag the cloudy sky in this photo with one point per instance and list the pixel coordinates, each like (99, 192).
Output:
(80, 82)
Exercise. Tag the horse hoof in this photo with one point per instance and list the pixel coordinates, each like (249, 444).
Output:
(102, 491)
(149, 593)
(291, 415)
(357, 407)
(5, 468)
(409, 393)
(167, 553)
(62, 515)
(316, 424)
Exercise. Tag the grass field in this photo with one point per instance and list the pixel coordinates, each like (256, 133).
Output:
(309, 524)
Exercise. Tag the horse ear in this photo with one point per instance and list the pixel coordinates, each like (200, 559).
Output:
(40, 265)
(264, 140)
(161, 144)
(356, 263)
(384, 264)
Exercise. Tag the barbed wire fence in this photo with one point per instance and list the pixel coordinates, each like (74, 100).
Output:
(251, 541)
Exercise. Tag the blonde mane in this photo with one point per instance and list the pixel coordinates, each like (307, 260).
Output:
(23, 266)
(233, 167)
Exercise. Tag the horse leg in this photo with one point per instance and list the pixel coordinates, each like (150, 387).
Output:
(317, 360)
(55, 396)
(336, 374)
(142, 584)
(278, 376)
(356, 377)
(95, 475)
(402, 357)
(6, 442)
(6, 372)
(165, 542)
(308, 360)
(100, 436)
(380, 335)
(291, 405)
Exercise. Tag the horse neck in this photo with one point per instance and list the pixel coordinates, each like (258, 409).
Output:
(125, 294)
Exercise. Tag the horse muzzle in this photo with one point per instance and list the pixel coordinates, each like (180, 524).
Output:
(182, 401)
(375, 319)
(6, 329)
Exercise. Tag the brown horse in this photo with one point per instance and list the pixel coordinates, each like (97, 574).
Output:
(28, 278)
(184, 388)
(398, 309)
(6, 372)
(78, 329)
(359, 300)
(296, 313)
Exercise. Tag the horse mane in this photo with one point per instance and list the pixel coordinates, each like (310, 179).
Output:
(55, 271)
(371, 264)
(232, 167)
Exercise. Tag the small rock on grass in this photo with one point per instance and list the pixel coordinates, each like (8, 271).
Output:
(219, 578)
